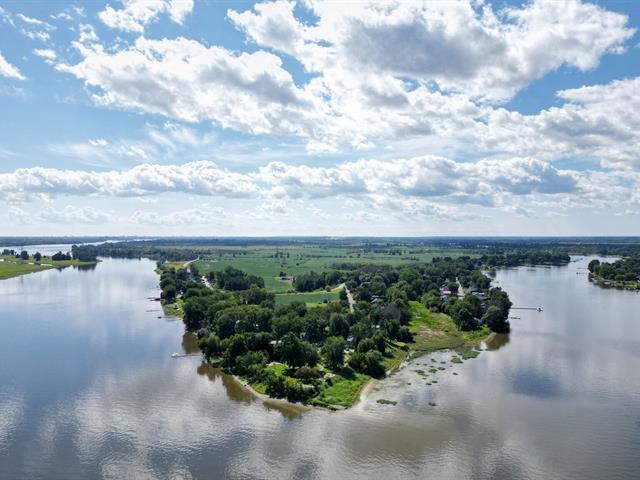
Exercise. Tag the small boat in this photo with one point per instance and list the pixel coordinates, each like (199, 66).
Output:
(175, 355)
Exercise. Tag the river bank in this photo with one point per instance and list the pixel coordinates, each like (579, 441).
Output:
(604, 283)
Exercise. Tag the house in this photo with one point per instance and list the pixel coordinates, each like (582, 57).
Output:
(480, 296)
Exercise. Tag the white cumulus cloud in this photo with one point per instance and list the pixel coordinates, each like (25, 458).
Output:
(136, 14)
(8, 70)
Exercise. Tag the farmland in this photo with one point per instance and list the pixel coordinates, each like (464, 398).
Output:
(275, 263)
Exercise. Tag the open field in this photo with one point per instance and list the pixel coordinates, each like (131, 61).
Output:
(311, 299)
(268, 262)
(14, 267)
(436, 331)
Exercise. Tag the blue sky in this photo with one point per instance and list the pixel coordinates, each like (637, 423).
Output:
(183, 117)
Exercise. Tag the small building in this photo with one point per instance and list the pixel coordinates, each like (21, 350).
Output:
(479, 295)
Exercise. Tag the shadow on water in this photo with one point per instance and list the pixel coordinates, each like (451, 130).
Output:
(238, 393)
(497, 341)
(190, 343)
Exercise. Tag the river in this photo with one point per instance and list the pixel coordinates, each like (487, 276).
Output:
(88, 389)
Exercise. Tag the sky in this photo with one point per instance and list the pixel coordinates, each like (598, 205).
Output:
(394, 118)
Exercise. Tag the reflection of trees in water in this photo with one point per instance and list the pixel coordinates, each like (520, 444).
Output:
(235, 391)
(497, 341)
(86, 268)
(239, 393)
(190, 343)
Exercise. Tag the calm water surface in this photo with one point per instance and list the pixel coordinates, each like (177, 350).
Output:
(88, 390)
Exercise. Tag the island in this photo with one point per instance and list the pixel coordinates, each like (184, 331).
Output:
(623, 273)
(14, 263)
(339, 327)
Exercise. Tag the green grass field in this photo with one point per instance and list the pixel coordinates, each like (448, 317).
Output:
(312, 299)
(268, 262)
(436, 331)
(14, 267)
(344, 391)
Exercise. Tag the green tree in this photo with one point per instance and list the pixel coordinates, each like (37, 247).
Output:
(495, 319)
(365, 345)
(295, 352)
(236, 346)
(333, 351)
(338, 326)
(210, 345)
(195, 309)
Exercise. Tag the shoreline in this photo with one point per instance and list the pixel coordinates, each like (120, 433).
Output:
(363, 394)
(604, 283)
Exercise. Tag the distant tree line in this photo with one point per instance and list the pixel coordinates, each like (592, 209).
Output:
(59, 256)
(526, 257)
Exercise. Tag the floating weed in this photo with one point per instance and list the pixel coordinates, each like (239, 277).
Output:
(383, 401)
(455, 373)
(470, 354)
(440, 368)
(456, 360)
(433, 404)
(433, 370)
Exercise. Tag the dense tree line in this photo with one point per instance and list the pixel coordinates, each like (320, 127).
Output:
(233, 279)
(624, 270)
(526, 257)
(310, 281)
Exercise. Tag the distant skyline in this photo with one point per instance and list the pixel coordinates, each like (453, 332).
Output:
(315, 118)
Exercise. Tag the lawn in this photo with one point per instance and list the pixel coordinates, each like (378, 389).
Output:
(311, 298)
(436, 331)
(344, 390)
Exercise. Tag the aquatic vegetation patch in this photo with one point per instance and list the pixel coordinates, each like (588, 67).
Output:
(468, 354)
